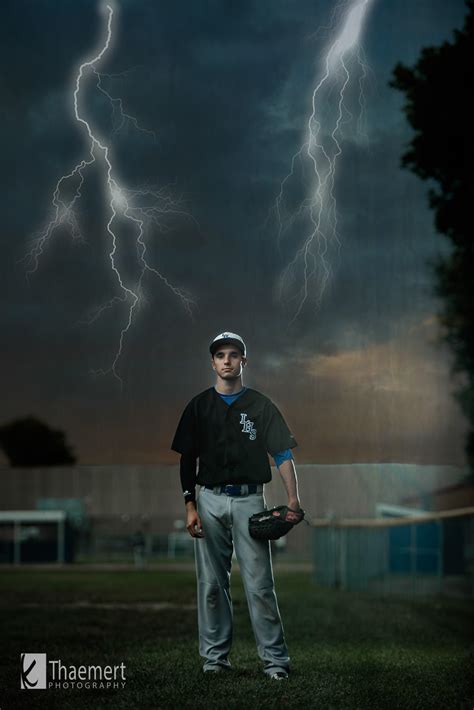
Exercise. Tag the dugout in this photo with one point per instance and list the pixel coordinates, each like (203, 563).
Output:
(29, 536)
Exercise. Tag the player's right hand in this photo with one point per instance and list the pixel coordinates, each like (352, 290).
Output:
(193, 524)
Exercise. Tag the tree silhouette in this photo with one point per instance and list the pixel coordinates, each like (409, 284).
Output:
(438, 107)
(29, 442)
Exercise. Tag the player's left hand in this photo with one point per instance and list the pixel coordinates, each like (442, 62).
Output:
(294, 514)
(294, 504)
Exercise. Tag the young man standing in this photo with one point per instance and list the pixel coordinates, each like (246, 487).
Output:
(231, 429)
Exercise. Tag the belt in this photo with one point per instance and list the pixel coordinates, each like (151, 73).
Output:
(241, 489)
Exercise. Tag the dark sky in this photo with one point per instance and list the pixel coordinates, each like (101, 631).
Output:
(226, 87)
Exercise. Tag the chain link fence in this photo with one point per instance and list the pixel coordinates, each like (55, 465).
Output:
(431, 553)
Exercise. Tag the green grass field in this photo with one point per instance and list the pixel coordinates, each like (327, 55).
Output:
(348, 650)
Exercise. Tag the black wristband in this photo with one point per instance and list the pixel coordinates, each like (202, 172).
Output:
(187, 472)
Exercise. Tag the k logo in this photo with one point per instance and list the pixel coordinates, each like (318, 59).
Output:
(33, 671)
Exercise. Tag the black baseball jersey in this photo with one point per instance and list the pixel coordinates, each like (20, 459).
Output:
(232, 441)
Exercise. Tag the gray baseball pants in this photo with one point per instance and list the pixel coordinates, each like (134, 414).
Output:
(225, 525)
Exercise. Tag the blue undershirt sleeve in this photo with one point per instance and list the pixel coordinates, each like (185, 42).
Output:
(282, 456)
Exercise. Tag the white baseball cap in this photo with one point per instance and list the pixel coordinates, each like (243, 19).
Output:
(228, 337)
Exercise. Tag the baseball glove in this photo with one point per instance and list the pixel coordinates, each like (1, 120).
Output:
(274, 523)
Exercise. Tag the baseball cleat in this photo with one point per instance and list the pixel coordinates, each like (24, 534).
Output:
(279, 675)
(216, 669)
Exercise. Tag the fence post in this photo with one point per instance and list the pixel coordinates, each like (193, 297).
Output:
(337, 570)
(343, 556)
(61, 542)
(413, 557)
(17, 542)
(440, 555)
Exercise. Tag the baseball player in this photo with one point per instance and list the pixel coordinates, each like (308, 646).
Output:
(231, 429)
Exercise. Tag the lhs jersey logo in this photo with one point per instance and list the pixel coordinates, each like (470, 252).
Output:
(248, 427)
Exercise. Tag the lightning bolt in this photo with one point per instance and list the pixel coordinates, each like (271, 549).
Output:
(313, 166)
(137, 208)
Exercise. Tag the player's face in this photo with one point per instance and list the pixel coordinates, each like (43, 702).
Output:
(228, 362)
